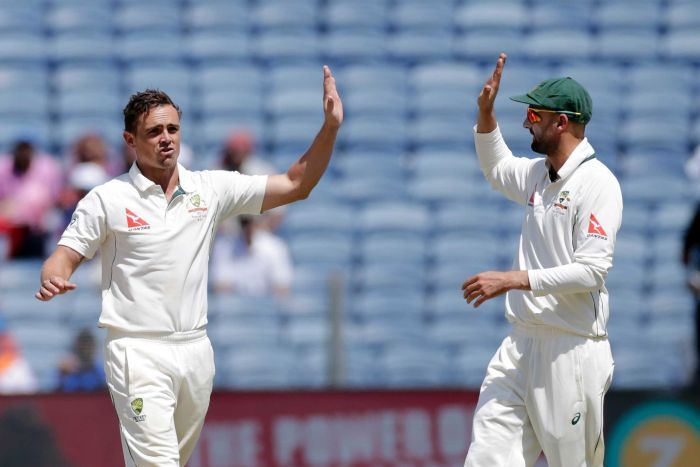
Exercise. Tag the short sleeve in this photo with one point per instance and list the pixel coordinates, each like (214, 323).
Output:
(239, 194)
(87, 229)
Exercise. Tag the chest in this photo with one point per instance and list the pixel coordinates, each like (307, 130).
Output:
(552, 208)
(151, 222)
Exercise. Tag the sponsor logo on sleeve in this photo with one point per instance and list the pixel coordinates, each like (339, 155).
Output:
(595, 229)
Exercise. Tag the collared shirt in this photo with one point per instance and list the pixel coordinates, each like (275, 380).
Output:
(155, 253)
(568, 234)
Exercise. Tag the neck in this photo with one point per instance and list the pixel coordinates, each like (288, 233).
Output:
(167, 178)
(561, 153)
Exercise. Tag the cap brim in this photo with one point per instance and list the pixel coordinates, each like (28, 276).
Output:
(525, 99)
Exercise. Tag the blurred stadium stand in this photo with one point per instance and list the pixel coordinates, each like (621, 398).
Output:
(403, 215)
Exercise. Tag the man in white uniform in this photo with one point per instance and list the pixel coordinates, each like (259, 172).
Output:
(154, 227)
(545, 385)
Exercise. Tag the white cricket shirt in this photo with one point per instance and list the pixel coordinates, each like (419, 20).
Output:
(568, 234)
(155, 254)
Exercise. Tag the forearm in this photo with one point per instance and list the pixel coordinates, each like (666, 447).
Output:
(308, 170)
(62, 263)
(486, 121)
(569, 278)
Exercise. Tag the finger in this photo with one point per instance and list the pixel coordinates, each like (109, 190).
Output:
(481, 300)
(45, 294)
(328, 80)
(472, 296)
(70, 286)
(468, 282)
(50, 286)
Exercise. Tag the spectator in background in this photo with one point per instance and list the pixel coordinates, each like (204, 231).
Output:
(80, 371)
(691, 260)
(82, 178)
(30, 183)
(16, 377)
(238, 155)
(253, 263)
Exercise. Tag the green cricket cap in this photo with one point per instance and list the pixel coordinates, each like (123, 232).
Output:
(562, 94)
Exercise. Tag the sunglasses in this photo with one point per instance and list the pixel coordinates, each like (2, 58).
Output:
(534, 117)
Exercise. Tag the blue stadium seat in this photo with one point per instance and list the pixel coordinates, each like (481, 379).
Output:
(408, 365)
(74, 76)
(358, 15)
(467, 248)
(290, 15)
(638, 16)
(288, 77)
(359, 164)
(385, 132)
(446, 76)
(486, 44)
(627, 46)
(415, 16)
(293, 133)
(370, 102)
(335, 249)
(561, 16)
(440, 132)
(155, 16)
(646, 133)
(683, 44)
(383, 75)
(259, 367)
(288, 47)
(21, 17)
(553, 45)
(319, 217)
(441, 189)
(501, 15)
(81, 102)
(23, 47)
(136, 48)
(682, 15)
(80, 18)
(352, 45)
(14, 127)
(413, 46)
(652, 77)
(400, 217)
(218, 46)
(370, 190)
(217, 16)
(392, 249)
(233, 102)
(92, 48)
(445, 163)
(295, 104)
(71, 127)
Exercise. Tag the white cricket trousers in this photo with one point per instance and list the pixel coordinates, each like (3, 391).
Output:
(160, 386)
(543, 392)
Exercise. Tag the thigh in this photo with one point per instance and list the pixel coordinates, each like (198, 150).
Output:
(144, 400)
(565, 403)
(502, 434)
(194, 393)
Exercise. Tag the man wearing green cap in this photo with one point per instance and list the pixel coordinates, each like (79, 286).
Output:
(544, 387)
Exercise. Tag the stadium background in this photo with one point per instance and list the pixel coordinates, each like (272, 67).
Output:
(403, 215)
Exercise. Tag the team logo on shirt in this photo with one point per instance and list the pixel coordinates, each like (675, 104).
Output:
(196, 206)
(562, 202)
(137, 408)
(595, 229)
(135, 222)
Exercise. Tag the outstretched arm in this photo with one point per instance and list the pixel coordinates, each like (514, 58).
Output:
(56, 271)
(305, 173)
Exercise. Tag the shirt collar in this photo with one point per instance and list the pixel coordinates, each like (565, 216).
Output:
(580, 153)
(142, 183)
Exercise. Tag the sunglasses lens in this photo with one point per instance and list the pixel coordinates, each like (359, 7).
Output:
(532, 116)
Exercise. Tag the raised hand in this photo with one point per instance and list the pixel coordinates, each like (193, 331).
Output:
(490, 89)
(332, 105)
(52, 287)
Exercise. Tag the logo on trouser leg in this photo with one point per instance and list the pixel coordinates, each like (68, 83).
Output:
(576, 418)
(137, 408)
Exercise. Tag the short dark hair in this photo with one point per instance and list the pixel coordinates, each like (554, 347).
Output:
(141, 103)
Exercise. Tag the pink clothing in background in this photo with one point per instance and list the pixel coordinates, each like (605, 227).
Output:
(24, 200)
